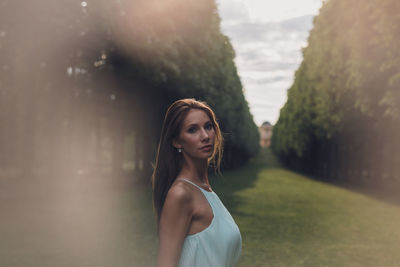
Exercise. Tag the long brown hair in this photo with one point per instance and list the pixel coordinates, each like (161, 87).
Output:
(168, 160)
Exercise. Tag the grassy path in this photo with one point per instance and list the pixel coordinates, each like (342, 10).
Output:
(287, 219)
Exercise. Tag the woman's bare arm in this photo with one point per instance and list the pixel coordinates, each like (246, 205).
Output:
(175, 220)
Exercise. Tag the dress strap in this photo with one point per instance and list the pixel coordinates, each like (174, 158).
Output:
(194, 184)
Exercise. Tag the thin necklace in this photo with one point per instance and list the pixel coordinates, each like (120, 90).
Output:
(209, 188)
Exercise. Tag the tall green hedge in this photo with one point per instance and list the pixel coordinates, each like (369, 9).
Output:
(350, 73)
(178, 48)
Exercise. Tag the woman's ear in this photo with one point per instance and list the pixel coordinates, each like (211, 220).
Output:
(175, 143)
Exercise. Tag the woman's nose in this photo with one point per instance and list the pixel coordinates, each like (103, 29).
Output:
(204, 134)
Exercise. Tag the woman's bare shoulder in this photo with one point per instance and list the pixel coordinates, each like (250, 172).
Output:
(179, 201)
(180, 191)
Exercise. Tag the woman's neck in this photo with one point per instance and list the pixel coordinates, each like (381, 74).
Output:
(195, 172)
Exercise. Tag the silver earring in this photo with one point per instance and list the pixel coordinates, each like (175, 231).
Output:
(179, 150)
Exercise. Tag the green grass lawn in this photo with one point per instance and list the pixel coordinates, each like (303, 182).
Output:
(285, 219)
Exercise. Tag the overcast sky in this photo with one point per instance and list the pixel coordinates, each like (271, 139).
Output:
(267, 37)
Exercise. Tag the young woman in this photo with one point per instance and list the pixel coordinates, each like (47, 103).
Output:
(194, 227)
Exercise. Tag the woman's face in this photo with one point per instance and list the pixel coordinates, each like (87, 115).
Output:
(197, 131)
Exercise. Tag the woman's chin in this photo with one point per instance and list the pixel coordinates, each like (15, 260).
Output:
(205, 156)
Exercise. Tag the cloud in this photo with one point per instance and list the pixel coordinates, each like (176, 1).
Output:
(271, 79)
(267, 56)
(233, 12)
(260, 32)
(301, 24)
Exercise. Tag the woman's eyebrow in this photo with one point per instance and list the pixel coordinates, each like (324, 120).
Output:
(195, 124)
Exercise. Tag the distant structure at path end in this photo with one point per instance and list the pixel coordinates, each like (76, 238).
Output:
(265, 134)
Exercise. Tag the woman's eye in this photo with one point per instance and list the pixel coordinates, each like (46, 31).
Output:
(207, 127)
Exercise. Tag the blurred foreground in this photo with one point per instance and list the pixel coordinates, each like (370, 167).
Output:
(79, 221)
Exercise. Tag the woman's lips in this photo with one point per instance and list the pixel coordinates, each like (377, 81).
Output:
(206, 147)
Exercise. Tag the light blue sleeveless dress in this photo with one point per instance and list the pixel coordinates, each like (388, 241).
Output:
(219, 245)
